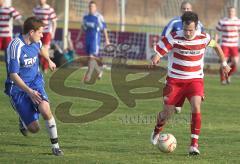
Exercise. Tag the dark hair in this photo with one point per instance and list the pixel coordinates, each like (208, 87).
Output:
(189, 17)
(32, 23)
(184, 3)
(92, 2)
(230, 7)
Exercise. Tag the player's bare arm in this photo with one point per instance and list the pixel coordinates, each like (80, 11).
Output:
(33, 94)
(44, 53)
(54, 27)
(156, 59)
(106, 37)
(220, 54)
(80, 33)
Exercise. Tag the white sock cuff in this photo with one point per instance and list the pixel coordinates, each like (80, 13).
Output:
(194, 136)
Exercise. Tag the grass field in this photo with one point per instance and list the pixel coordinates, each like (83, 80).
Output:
(123, 136)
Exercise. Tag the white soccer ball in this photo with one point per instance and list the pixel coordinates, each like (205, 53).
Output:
(167, 143)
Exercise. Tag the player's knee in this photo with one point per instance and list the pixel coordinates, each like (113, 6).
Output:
(47, 115)
(196, 109)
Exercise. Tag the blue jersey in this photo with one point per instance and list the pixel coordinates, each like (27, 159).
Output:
(93, 25)
(176, 25)
(22, 59)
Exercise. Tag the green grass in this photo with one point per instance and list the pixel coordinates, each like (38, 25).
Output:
(118, 139)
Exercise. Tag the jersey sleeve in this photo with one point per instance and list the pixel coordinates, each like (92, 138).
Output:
(200, 25)
(101, 22)
(52, 15)
(13, 57)
(219, 26)
(84, 27)
(164, 45)
(15, 14)
(169, 28)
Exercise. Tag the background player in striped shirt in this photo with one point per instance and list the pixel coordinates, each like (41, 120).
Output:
(185, 74)
(25, 83)
(229, 28)
(176, 25)
(6, 27)
(47, 14)
(93, 24)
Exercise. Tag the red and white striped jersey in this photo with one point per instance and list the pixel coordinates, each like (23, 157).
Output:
(47, 15)
(229, 27)
(186, 59)
(6, 14)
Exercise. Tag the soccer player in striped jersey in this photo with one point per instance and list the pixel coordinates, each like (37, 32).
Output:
(176, 25)
(6, 14)
(47, 14)
(25, 83)
(229, 28)
(185, 74)
(93, 24)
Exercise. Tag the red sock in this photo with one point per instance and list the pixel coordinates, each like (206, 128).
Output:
(159, 127)
(195, 128)
(233, 69)
(222, 76)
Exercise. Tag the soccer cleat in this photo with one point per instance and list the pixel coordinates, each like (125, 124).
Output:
(228, 80)
(154, 138)
(224, 82)
(178, 109)
(57, 152)
(193, 150)
(22, 129)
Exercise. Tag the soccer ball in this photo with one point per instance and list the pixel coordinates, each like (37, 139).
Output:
(167, 143)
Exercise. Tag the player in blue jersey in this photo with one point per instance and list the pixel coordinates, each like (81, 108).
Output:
(25, 83)
(93, 24)
(176, 25)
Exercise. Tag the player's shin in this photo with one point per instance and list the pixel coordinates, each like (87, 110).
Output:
(195, 128)
(233, 69)
(91, 66)
(160, 123)
(52, 131)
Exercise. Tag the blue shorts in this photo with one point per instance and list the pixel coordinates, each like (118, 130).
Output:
(22, 103)
(92, 47)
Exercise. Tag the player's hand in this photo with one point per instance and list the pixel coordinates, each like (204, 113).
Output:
(35, 97)
(155, 59)
(107, 42)
(226, 69)
(52, 65)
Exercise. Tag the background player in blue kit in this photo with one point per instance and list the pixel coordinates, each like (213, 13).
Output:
(93, 23)
(176, 25)
(25, 83)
